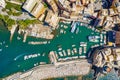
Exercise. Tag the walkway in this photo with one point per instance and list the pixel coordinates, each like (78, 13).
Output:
(77, 67)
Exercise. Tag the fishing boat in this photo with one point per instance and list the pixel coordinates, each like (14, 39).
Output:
(68, 51)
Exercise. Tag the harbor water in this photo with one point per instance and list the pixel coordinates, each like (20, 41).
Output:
(19, 56)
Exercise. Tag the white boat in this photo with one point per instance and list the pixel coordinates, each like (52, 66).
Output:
(6, 46)
(68, 51)
(60, 49)
(25, 57)
(73, 45)
(0, 43)
(72, 52)
(77, 30)
(64, 52)
(0, 50)
(43, 54)
(80, 50)
(60, 53)
(84, 49)
(83, 44)
(18, 38)
(75, 50)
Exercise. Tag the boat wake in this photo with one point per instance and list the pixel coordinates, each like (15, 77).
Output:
(16, 58)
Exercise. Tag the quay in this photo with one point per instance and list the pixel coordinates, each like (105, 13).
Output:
(55, 70)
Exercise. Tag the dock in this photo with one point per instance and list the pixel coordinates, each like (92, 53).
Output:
(12, 31)
(25, 36)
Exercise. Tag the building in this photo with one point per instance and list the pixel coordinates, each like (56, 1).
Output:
(107, 57)
(113, 38)
(52, 19)
(40, 31)
(35, 8)
(2, 3)
(53, 5)
(117, 41)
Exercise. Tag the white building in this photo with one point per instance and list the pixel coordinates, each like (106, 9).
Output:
(2, 3)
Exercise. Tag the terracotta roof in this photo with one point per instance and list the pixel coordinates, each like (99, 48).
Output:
(117, 41)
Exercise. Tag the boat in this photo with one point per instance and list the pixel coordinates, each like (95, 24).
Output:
(0, 43)
(68, 51)
(60, 53)
(60, 49)
(25, 57)
(64, 52)
(93, 38)
(72, 52)
(75, 50)
(6, 46)
(43, 54)
(84, 49)
(0, 50)
(83, 44)
(73, 45)
(80, 50)
(18, 38)
(77, 30)
(3, 42)
(62, 25)
(73, 27)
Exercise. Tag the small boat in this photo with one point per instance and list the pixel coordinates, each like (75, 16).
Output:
(6, 46)
(77, 30)
(64, 52)
(68, 51)
(60, 53)
(80, 50)
(83, 44)
(25, 57)
(0, 50)
(18, 38)
(0, 43)
(84, 49)
(60, 49)
(75, 50)
(3, 42)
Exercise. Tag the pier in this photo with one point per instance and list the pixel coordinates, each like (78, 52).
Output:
(12, 31)
(25, 36)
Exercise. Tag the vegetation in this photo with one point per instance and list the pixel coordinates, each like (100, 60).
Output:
(25, 23)
(13, 9)
(16, 10)
(15, 6)
(45, 5)
(9, 22)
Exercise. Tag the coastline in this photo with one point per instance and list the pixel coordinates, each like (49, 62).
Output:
(30, 74)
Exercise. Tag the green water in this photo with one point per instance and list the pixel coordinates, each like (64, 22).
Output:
(17, 49)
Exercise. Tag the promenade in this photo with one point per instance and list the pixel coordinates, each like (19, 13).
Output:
(74, 68)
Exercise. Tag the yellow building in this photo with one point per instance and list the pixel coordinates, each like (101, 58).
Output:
(35, 7)
(53, 5)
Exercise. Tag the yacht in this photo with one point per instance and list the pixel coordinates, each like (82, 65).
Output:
(83, 44)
